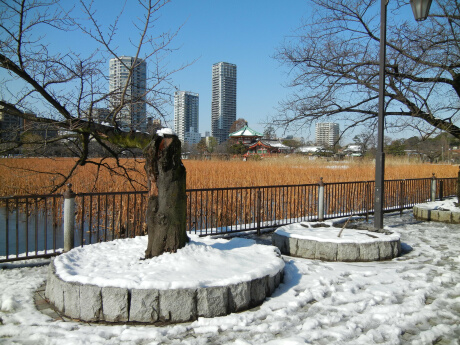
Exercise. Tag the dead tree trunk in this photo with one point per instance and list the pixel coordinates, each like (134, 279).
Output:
(167, 203)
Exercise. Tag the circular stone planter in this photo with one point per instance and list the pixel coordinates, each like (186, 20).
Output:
(207, 278)
(438, 211)
(321, 243)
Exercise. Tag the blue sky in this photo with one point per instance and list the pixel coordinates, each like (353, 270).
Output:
(245, 33)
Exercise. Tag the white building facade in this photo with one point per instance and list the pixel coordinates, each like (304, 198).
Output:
(128, 73)
(186, 116)
(327, 133)
(223, 106)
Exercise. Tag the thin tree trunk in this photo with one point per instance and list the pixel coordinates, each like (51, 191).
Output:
(167, 203)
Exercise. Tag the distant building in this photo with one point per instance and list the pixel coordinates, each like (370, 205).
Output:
(327, 133)
(98, 115)
(223, 106)
(186, 116)
(310, 150)
(44, 130)
(133, 114)
(353, 150)
(10, 125)
(267, 147)
(245, 135)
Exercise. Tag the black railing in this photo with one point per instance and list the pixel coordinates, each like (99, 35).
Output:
(31, 226)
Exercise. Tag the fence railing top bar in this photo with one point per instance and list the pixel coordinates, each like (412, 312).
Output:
(250, 187)
(30, 196)
(112, 193)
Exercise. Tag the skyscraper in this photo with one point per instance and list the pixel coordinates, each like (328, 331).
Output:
(327, 133)
(133, 114)
(223, 107)
(186, 114)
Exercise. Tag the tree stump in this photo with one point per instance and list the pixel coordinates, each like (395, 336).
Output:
(167, 201)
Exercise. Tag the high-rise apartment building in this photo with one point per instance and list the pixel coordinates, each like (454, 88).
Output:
(133, 114)
(223, 107)
(186, 115)
(327, 133)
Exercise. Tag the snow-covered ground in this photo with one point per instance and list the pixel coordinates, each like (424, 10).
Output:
(414, 299)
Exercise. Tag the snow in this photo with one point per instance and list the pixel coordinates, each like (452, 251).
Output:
(444, 205)
(330, 234)
(199, 264)
(165, 131)
(413, 299)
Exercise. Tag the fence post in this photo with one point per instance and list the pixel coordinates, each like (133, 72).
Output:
(259, 208)
(366, 198)
(321, 200)
(441, 190)
(401, 197)
(433, 188)
(69, 218)
(458, 185)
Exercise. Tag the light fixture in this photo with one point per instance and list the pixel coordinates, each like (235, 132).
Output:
(420, 8)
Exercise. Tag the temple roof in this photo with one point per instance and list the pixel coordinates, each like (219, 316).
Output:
(245, 132)
(269, 144)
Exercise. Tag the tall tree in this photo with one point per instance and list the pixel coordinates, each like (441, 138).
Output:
(237, 125)
(334, 61)
(44, 82)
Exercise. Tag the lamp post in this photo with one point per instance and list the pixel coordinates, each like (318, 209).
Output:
(420, 8)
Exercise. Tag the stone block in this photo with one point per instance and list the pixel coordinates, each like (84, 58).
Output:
(369, 251)
(57, 296)
(385, 250)
(71, 299)
(144, 305)
(114, 304)
(306, 249)
(396, 245)
(348, 252)
(271, 285)
(239, 296)
(456, 217)
(278, 278)
(444, 216)
(280, 242)
(292, 245)
(178, 305)
(49, 289)
(212, 301)
(326, 251)
(90, 303)
(258, 291)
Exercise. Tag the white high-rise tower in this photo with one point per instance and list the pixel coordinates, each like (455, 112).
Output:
(223, 107)
(186, 115)
(133, 115)
(327, 133)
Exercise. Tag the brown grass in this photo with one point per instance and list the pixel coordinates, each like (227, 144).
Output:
(20, 176)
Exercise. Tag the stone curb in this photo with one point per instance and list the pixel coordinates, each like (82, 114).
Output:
(423, 213)
(331, 251)
(92, 303)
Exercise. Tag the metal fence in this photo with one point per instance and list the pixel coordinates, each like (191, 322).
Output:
(31, 226)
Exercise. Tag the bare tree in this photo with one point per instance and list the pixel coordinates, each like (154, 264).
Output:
(48, 86)
(334, 63)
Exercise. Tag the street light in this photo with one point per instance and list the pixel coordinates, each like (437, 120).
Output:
(420, 8)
